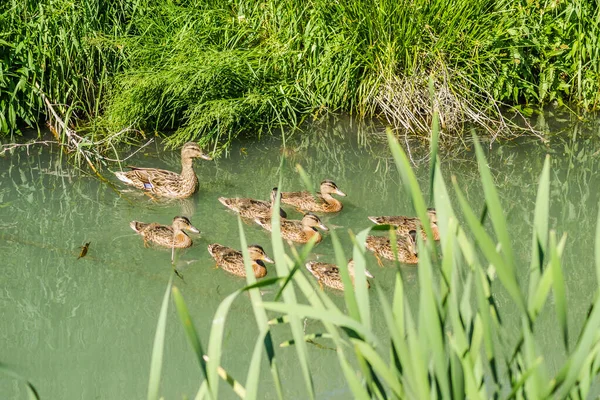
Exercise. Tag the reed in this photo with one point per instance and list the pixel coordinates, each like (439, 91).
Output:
(456, 344)
(209, 71)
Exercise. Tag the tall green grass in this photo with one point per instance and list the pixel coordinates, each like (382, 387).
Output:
(211, 70)
(455, 344)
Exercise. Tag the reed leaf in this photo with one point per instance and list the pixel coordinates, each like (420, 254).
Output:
(191, 334)
(289, 295)
(494, 208)
(540, 229)
(506, 274)
(32, 392)
(158, 347)
(558, 288)
(349, 295)
(262, 322)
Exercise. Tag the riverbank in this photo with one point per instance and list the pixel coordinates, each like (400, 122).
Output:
(209, 72)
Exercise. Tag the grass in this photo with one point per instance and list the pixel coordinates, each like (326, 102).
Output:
(209, 71)
(455, 344)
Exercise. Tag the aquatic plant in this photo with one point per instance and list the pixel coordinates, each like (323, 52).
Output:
(456, 344)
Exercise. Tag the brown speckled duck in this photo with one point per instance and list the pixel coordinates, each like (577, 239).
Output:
(323, 202)
(167, 183)
(251, 208)
(406, 224)
(164, 235)
(232, 260)
(300, 231)
(406, 247)
(329, 274)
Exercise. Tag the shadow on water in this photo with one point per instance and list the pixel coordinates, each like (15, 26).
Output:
(81, 328)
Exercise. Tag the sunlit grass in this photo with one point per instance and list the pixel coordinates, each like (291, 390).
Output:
(209, 71)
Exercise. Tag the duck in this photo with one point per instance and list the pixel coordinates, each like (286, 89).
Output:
(167, 183)
(232, 260)
(323, 201)
(406, 224)
(164, 235)
(251, 208)
(406, 248)
(329, 274)
(300, 231)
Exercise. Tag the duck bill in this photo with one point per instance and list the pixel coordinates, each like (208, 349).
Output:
(206, 157)
(367, 273)
(193, 229)
(340, 193)
(322, 226)
(268, 259)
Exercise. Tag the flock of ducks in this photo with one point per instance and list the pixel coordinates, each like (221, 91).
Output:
(170, 184)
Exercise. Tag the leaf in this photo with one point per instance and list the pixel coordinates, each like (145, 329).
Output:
(558, 287)
(159, 345)
(540, 230)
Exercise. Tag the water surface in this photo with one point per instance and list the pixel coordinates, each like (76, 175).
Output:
(84, 328)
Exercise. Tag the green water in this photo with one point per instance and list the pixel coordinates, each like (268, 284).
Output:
(85, 328)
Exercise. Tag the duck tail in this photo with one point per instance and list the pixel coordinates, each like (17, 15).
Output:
(375, 220)
(310, 266)
(122, 176)
(226, 202)
(137, 226)
(212, 248)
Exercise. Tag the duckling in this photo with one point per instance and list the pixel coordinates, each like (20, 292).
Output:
(329, 274)
(406, 247)
(406, 224)
(167, 183)
(297, 231)
(166, 236)
(250, 208)
(323, 202)
(232, 260)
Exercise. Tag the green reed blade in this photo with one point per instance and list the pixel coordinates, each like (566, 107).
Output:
(419, 362)
(32, 393)
(411, 186)
(534, 387)
(398, 305)
(237, 387)
(360, 279)
(254, 368)
(159, 346)
(379, 366)
(216, 341)
(430, 320)
(262, 323)
(525, 376)
(289, 295)
(567, 376)
(203, 392)
(307, 338)
(191, 333)
(308, 184)
(597, 248)
(538, 299)
(334, 317)
(403, 371)
(349, 295)
(492, 201)
(433, 150)
(298, 264)
(558, 288)
(486, 244)
(472, 391)
(540, 230)
(443, 206)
